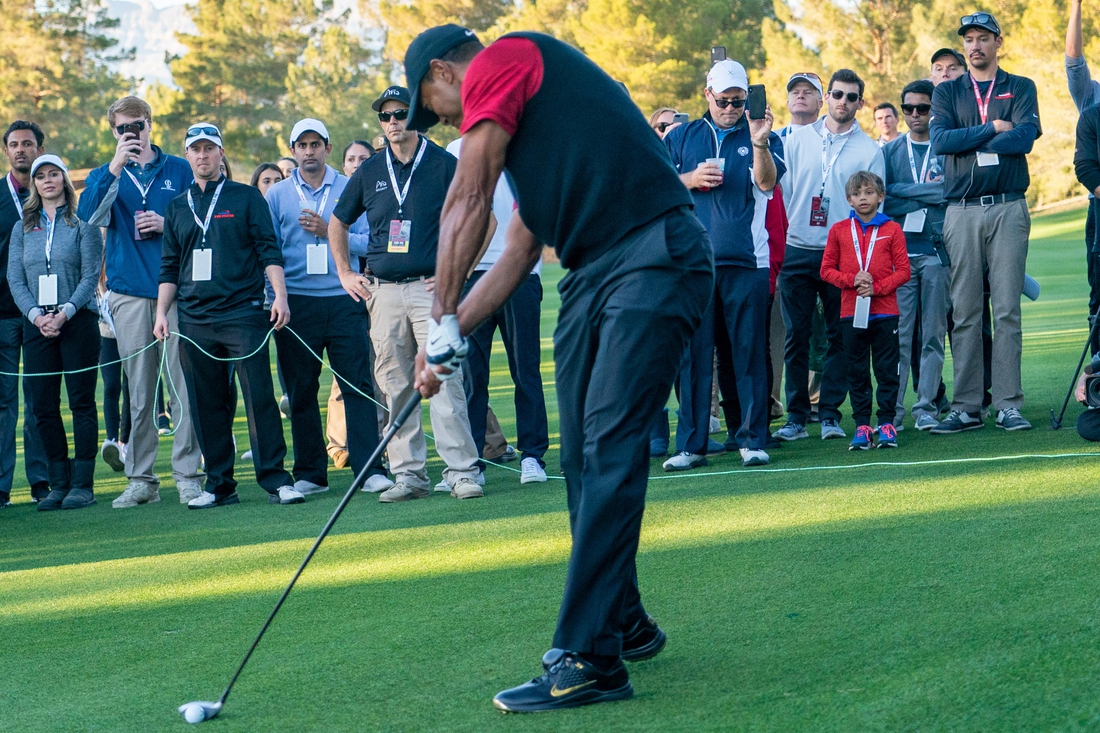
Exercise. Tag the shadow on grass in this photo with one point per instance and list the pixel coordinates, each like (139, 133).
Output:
(978, 620)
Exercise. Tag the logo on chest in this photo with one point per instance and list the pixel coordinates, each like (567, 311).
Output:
(168, 186)
(226, 214)
(380, 186)
(742, 151)
(1005, 95)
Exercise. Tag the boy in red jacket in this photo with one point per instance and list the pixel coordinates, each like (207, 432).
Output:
(866, 258)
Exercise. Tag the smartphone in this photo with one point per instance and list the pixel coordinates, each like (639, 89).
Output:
(758, 101)
(717, 53)
(132, 129)
(681, 117)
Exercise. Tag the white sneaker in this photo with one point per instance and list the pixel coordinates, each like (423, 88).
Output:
(138, 492)
(247, 455)
(112, 455)
(189, 488)
(376, 484)
(715, 425)
(442, 486)
(446, 487)
(683, 461)
(531, 472)
(925, 421)
(286, 495)
(305, 488)
(466, 488)
(206, 500)
(750, 457)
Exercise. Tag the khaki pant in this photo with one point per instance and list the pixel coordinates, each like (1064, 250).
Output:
(134, 319)
(336, 427)
(398, 329)
(495, 442)
(993, 238)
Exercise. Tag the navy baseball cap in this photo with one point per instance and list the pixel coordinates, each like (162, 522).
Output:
(431, 44)
(983, 20)
(949, 52)
(396, 93)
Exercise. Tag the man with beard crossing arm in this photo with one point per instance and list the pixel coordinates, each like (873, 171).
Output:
(640, 276)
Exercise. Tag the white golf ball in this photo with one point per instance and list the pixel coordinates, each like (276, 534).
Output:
(194, 713)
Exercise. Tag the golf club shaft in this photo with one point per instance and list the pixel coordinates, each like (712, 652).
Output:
(398, 420)
(1073, 382)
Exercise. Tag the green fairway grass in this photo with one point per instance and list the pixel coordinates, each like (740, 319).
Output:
(952, 590)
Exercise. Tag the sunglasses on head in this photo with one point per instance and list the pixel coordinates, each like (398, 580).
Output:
(130, 127)
(203, 130)
(982, 19)
(735, 103)
(837, 94)
(920, 109)
(397, 114)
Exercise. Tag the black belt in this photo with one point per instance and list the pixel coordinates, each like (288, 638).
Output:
(403, 281)
(1000, 198)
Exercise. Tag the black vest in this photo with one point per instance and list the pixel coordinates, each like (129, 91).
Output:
(584, 163)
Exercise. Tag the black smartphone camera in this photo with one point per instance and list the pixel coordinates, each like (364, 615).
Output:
(758, 101)
(717, 53)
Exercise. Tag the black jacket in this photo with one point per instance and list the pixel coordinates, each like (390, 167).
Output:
(242, 240)
(9, 216)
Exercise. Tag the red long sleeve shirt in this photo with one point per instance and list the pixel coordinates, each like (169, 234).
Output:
(889, 265)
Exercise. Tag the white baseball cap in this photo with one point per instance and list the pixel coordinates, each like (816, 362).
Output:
(809, 77)
(50, 159)
(727, 74)
(301, 127)
(203, 131)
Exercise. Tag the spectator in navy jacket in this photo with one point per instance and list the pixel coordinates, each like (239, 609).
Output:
(129, 196)
(731, 199)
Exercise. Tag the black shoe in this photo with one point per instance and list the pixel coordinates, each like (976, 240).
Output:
(52, 501)
(206, 500)
(644, 640)
(958, 421)
(78, 499)
(569, 682)
(39, 491)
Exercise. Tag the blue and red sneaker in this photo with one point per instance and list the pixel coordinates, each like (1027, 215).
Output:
(887, 436)
(864, 440)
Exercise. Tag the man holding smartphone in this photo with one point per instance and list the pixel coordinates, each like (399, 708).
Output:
(129, 196)
(327, 319)
(730, 163)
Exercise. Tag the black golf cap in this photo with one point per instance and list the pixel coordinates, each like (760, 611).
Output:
(949, 52)
(431, 44)
(396, 93)
(979, 19)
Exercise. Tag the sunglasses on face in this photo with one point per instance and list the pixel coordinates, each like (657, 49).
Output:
(130, 127)
(662, 126)
(397, 114)
(837, 94)
(735, 103)
(980, 19)
(920, 109)
(203, 130)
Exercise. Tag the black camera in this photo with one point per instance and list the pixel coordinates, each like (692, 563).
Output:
(1092, 383)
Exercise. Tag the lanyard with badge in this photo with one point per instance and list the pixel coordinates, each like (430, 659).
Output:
(863, 302)
(914, 220)
(316, 253)
(984, 159)
(144, 191)
(47, 284)
(819, 205)
(401, 228)
(15, 197)
(202, 260)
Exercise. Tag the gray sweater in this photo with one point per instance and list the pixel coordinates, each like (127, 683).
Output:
(76, 257)
(904, 195)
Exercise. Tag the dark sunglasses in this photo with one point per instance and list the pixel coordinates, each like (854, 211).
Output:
(837, 94)
(920, 109)
(981, 19)
(203, 130)
(397, 114)
(735, 103)
(130, 127)
(662, 126)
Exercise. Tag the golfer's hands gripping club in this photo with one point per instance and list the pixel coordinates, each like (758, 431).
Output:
(443, 356)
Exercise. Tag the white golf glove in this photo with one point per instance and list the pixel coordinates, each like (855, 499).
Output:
(446, 346)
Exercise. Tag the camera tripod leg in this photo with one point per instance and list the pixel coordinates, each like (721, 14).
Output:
(1056, 421)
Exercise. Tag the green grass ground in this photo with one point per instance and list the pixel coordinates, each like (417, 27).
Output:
(939, 596)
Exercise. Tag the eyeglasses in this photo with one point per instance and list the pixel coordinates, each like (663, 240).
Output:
(920, 109)
(397, 114)
(837, 94)
(735, 103)
(203, 130)
(981, 19)
(662, 126)
(130, 127)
